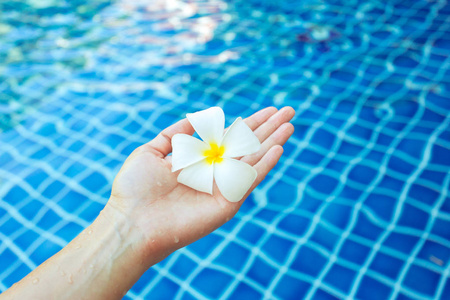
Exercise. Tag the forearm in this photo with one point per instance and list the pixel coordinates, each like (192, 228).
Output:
(103, 262)
(148, 216)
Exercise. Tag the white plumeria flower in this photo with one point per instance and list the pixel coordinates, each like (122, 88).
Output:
(212, 158)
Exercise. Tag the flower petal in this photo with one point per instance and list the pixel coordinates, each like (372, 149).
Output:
(239, 140)
(186, 150)
(198, 176)
(209, 124)
(234, 178)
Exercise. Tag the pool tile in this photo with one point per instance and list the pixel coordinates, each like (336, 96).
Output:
(183, 267)
(211, 283)
(53, 189)
(404, 243)
(15, 195)
(337, 215)
(340, 278)
(422, 280)
(205, 246)
(49, 220)
(71, 201)
(233, 257)
(307, 254)
(167, 290)
(324, 237)
(30, 210)
(362, 174)
(283, 194)
(69, 231)
(354, 252)
(244, 291)
(26, 239)
(413, 217)
(370, 288)
(261, 272)
(277, 248)
(44, 251)
(251, 233)
(36, 178)
(291, 288)
(10, 226)
(324, 183)
(294, 224)
(365, 228)
(387, 265)
(94, 182)
(325, 295)
(382, 205)
(21, 271)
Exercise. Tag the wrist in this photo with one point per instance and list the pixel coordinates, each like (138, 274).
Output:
(137, 230)
(121, 225)
(106, 250)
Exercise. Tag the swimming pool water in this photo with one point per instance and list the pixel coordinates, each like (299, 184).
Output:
(357, 208)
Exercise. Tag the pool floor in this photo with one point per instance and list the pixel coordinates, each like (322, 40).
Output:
(357, 208)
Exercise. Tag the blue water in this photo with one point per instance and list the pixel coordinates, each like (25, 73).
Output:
(358, 206)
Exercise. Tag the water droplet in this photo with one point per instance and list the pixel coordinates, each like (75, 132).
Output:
(158, 183)
(90, 232)
(91, 266)
(70, 279)
(176, 239)
(62, 273)
(152, 240)
(36, 281)
(78, 247)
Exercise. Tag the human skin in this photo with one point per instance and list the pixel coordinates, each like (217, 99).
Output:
(148, 216)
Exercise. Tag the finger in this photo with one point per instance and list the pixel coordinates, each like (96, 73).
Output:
(265, 165)
(258, 118)
(279, 137)
(271, 125)
(162, 143)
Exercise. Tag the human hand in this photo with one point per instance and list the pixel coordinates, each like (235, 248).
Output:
(147, 193)
(148, 216)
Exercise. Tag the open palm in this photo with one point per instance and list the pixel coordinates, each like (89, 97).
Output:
(148, 193)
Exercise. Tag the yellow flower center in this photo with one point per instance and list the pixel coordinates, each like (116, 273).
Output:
(214, 154)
